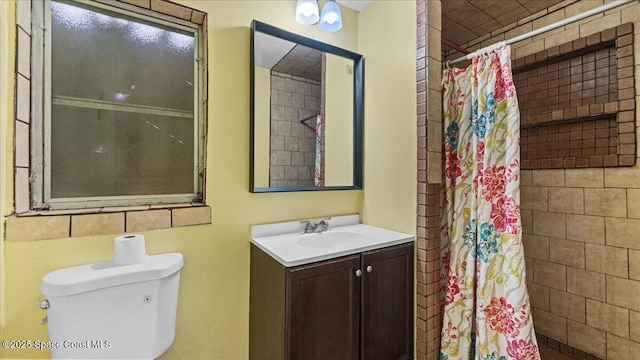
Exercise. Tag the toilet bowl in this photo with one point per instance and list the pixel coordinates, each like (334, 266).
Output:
(108, 311)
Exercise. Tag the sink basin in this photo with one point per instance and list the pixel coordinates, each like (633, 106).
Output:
(286, 243)
(331, 239)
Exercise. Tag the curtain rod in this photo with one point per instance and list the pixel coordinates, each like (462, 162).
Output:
(544, 29)
(309, 118)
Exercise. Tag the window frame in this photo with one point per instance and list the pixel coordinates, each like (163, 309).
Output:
(41, 101)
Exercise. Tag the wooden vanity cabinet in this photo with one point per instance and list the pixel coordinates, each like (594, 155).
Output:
(357, 307)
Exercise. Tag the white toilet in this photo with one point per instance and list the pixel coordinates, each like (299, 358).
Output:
(108, 311)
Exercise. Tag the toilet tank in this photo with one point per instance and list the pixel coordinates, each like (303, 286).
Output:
(106, 311)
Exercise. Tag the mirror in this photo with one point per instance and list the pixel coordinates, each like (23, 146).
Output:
(306, 113)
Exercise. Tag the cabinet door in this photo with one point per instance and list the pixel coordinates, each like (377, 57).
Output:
(323, 310)
(387, 303)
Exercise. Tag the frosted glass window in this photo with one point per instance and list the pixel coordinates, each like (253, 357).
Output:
(121, 117)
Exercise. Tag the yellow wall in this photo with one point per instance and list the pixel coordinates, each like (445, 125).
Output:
(214, 291)
(338, 122)
(6, 71)
(387, 38)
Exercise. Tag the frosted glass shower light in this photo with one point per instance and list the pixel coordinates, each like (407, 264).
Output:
(331, 19)
(307, 12)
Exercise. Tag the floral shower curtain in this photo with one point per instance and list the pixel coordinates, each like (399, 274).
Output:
(317, 174)
(486, 310)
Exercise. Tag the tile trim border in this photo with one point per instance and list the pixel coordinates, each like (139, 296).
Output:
(57, 225)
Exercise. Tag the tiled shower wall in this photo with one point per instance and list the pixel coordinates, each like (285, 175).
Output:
(293, 144)
(581, 226)
(429, 122)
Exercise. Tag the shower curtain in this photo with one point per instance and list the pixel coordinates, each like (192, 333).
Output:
(317, 174)
(486, 310)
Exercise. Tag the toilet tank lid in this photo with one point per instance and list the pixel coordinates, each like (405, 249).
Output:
(83, 278)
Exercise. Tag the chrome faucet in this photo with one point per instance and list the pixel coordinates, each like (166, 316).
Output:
(309, 227)
(321, 226)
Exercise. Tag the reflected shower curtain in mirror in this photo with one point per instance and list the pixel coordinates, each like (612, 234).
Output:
(317, 176)
(486, 309)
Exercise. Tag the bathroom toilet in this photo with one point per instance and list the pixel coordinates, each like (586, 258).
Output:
(108, 311)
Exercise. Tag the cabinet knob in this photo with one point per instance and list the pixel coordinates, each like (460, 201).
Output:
(358, 273)
(369, 268)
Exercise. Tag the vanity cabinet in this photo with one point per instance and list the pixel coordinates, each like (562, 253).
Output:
(356, 307)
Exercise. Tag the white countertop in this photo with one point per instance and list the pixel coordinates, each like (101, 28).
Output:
(284, 241)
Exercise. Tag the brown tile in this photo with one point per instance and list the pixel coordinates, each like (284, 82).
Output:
(585, 228)
(605, 202)
(596, 109)
(198, 17)
(622, 177)
(579, 355)
(608, 34)
(582, 111)
(539, 296)
(612, 319)
(593, 39)
(147, 220)
(550, 354)
(579, 43)
(623, 292)
(565, 48)
(567, 305)
(536, 247)
(550, 274)
(141, 3)
(97, 224)
(611, 107)
(586, 283)
(548, 178)
(624, 40)
(622, 232)
(634, 323)
(567, 252)
(549, 224)
(191, 216)
(634, 264)
(37, 228)
(550, 325)
(626, 160)
(527, 221)
(607, 259)
(633, 203)
(526, 179)
(586, 338)
(171, 9)
(566, 200)
(622, 349)
(534, 198)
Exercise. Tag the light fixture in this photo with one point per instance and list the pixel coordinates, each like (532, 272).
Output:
(331, 19)
(307, 12)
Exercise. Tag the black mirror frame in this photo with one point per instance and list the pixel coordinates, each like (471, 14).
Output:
(358, 106)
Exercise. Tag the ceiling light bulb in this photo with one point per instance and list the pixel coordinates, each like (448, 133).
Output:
(331, 19)
(306, 9)
(307, 12)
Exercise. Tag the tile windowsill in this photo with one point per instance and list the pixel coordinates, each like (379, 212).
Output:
(45, 225)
